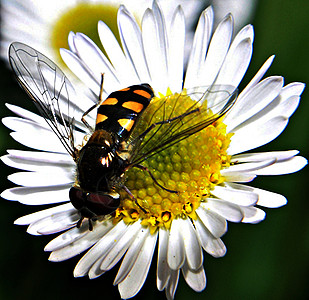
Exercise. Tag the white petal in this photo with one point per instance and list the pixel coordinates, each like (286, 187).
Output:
(80, 70)
(236, 64)
(243, 198)
(38, 195)
(256, 134)
(135, 279)
(90, 53)
(215, 247)
(36, 161)
(264, 156)
(27, 130)
(163, 270)
(131, 255)
(217, 51)
(238, 177)
(54, 223)
(194, 256)
(131, 38)
(162, 32)
(292, 89)
(246, 32)
(172, 285)
(248, 167)
(71, 41)
(284, 167)
(210, 244)
(120, 247)
(95, 270)
(175, 251)
(31, 218)
(154, 41)
(283, 105)
(268, 199)
(258, 76)
(258, 98)
(287, 101)
(67, 238)
(253, 215)
(54, 176)
(21, 112)
(216, 224)
(123, 68)
(285, 162)
(100, 249)
(196, 279)
(199, 48)
(78, 246)
(176, 50)
(286, 108)
(227, 210)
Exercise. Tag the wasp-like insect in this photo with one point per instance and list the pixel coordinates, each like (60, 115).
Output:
(113, 147)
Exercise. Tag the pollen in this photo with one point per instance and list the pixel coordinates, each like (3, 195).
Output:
(185, 172)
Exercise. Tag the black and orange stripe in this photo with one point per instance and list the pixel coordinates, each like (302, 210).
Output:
(120, 111)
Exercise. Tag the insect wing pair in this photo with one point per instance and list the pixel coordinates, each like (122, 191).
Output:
(116, 144)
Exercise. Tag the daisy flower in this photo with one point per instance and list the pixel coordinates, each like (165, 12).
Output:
(45, 25)
(20, 20)
(210, 169)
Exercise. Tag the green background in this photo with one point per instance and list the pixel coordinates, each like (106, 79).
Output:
(264, 261)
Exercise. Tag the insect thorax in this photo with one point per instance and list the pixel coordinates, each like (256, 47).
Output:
(99, 167)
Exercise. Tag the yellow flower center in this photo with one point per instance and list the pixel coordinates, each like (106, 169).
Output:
(83, 18)
(191, 167)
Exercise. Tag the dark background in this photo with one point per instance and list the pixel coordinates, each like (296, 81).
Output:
(264, 261)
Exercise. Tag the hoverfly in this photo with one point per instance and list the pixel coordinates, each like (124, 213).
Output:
(114, 146)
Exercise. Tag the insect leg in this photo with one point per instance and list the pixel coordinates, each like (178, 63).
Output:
(90, 224)
(133, 198)
(79, 223)
(154, 180)
(95, 105)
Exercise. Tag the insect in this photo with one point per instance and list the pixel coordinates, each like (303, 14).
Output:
(114, 146)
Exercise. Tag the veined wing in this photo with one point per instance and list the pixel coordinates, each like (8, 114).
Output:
(173, 126)
(49, 88)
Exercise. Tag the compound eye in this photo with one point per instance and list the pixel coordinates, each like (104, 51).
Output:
(77, 197)
(103, 204)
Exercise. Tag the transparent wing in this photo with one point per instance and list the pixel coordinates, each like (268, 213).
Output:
(167, 126)
(49, 88)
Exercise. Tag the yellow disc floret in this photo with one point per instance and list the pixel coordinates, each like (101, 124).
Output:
(187, 170)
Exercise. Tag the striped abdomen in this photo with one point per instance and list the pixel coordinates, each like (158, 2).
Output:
(120, 111)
